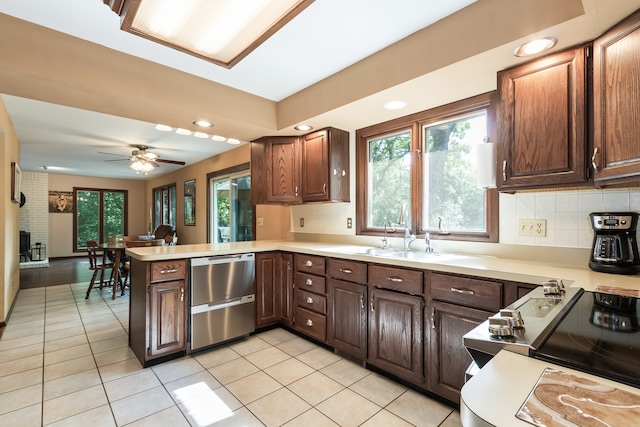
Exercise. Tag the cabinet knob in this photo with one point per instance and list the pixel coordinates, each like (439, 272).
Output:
(335, 172)
(309, 322)
(324, 188)
(362, 301)
(344, 172)
(309, 282)
(309, 300)
(309, 263)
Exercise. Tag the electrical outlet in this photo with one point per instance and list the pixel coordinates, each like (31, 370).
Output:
(349, 223)
(259, 221)
(532, 227)
(301, 222)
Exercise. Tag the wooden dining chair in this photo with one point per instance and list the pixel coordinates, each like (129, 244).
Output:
(98, 263)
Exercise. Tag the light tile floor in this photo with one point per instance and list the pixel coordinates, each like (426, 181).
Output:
(65, 361)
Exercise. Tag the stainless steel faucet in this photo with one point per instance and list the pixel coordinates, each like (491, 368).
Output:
(385, 242)
(408, 237)
(427, 241)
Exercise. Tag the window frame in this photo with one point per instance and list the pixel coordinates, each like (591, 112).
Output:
(172, 221)
(125, 207)
(415, 123)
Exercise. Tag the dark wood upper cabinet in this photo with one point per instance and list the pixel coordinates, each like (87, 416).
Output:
(275, 170)
(325, 166)
(292, 169)
(542, 121)
(616, 99)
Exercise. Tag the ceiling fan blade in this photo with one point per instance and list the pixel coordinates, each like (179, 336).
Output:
(112, 154)
(115, 160)
(173, 162)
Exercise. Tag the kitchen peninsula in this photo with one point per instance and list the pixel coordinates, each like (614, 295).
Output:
(443, 295)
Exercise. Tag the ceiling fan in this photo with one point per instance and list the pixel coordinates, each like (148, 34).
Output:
(143, 160)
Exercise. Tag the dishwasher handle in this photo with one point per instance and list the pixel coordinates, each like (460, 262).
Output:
(202, 308)
(222, 259)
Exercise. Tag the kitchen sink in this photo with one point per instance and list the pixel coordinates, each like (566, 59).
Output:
(364, 250)
(422, 256)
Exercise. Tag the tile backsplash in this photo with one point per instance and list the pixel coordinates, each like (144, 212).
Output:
(566, 212)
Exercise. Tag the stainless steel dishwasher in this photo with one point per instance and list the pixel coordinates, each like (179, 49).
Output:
(222, 303)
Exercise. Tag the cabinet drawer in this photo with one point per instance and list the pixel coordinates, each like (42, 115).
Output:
(311, 283)
(470, 292)
(409, 281)
(312, 324)
(349, 271)
(168, 270)
(313, 302)
(309, 264)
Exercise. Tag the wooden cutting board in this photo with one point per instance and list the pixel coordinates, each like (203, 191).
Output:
(561, 399)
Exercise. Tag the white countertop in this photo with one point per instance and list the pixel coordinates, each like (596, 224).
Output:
(474, 265)
(495, 394)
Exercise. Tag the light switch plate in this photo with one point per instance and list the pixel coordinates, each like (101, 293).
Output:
(532, 227)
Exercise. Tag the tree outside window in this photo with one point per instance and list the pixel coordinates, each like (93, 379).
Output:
(99, 214)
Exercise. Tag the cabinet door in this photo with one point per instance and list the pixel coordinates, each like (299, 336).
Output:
(542, 122)
(286, 289)
(395, 334)
(167, 318)
(282, 166)
(447, 358)
(315, 167)
(348, 317)
(616, 60)
(267, 288)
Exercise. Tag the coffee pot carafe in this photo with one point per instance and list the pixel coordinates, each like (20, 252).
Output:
(615, 248)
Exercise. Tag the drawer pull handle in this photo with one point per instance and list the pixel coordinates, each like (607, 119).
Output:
(173, 270)
(504, 171)
(362, 301)
(346, 271)
(309, 282)
(371, 304)
(310, 322)
(462, 291)
(309, 300)
(181, 294)
(309, 263)
(394, 279)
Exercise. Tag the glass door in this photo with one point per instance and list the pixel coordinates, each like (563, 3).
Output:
(231, 210)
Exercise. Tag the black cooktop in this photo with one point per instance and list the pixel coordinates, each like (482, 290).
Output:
(599, 335)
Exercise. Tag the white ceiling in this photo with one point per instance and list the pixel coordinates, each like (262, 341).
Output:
(68, 138)
(335, 33)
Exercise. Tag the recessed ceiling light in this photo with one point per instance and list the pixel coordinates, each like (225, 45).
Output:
(163, 128)
(218, 138)
(200, 135)
(303, 127)
(181, 131)
(233, 141)
(535, 46)
(203, 123)
(395, 105)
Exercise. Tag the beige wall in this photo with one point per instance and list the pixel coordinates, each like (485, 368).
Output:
(61, 224)
(9, 216)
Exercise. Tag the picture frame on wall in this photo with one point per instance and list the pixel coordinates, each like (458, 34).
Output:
(61, 202)
(16, 173)
(190, 202)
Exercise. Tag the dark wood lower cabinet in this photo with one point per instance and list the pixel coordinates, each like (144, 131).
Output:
(286, 289)
(447, 359)
(395, 334)
(166, 318)
(348, 318)
(267, 288)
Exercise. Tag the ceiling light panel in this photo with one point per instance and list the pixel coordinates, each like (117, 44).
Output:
(223, 31)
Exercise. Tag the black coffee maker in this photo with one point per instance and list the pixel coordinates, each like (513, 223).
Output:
(615, 249)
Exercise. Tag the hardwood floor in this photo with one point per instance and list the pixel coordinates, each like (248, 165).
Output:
(60, 271)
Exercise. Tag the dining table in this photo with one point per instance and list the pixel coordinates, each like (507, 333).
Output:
(118, 247)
